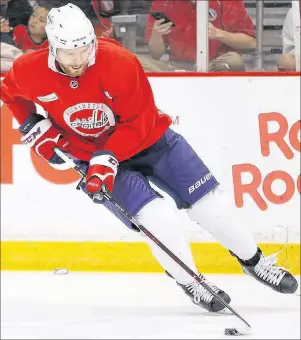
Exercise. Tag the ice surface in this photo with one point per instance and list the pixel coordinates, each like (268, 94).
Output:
(41, 305)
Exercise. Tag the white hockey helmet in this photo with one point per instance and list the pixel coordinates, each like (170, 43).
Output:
(68, 27)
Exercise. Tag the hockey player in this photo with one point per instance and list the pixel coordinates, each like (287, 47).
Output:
(101, 111)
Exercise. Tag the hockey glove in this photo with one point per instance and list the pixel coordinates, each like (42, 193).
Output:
(101, 172)
(43, 137)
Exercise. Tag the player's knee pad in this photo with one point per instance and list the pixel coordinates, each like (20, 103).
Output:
(159, 218)
(211, 211)
(216, 213)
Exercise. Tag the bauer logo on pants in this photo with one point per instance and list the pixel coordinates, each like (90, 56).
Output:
(200, 182)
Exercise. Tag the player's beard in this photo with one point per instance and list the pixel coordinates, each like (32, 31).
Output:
(74, 70)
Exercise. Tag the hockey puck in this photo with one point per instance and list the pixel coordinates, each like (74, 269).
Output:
(240, 329)
(232, 331)
(60, 271)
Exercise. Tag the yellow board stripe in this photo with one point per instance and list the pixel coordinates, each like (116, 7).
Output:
(127, 256)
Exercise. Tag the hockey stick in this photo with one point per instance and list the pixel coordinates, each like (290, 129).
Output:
(240, 329)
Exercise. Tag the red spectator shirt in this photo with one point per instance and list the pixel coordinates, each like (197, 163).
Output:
(227, 15)
(23, 40)
(105, 26)
(110, 107)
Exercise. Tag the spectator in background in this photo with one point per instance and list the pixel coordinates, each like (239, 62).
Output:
(13, 13)
(287, 61)
(32, 2)
(133, 6)
(140, 8)
(103, 9)
(231, 32)
(9, 54)
(33, 36)
(17, 12)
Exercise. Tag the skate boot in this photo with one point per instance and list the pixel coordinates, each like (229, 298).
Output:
(264, 269)
(202, 297)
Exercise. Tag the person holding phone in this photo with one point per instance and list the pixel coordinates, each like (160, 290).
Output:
(157, 43)
(231, 32)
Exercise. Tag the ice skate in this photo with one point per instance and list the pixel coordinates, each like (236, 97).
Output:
(202, 297)
(264, 270)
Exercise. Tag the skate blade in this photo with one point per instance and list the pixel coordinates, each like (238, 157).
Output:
(224, 311)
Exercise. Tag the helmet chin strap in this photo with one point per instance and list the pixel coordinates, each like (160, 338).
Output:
(52, 62)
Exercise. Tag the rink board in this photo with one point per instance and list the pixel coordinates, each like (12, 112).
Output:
(229, 121)
(127, 257)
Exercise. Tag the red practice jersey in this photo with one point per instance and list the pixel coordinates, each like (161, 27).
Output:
(110, 107)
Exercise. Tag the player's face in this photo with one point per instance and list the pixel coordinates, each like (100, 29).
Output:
(37, 21)
(74, 62)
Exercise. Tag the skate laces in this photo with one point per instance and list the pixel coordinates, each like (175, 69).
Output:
(267, 270)
(200, 293)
